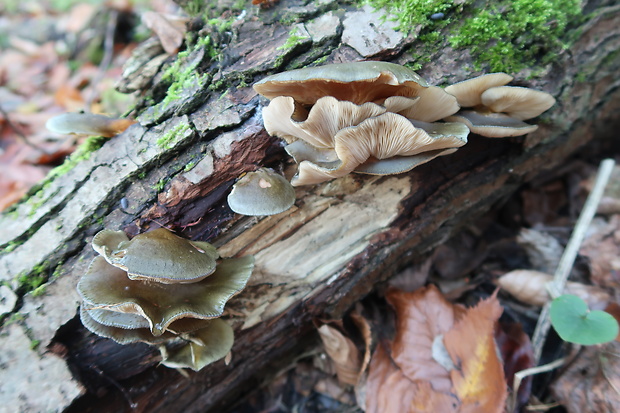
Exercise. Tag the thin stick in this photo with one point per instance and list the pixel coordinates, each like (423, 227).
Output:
(570, 252)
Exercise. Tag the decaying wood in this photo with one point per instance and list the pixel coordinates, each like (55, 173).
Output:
(315, 260)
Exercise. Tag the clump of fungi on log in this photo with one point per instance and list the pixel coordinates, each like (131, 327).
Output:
(163, 290)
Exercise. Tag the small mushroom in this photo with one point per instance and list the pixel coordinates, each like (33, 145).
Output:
(201, 347)
(263, 192)
(107, 287)
(497, 110)
(87, 124)
(178, 313)
(158, 255)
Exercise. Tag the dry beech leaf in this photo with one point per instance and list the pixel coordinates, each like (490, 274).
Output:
(343, 352)
(169, 29)
(530, 287)
(602, 248)
(478, 380)
(421, 316)
(410, 380)
(389, 390)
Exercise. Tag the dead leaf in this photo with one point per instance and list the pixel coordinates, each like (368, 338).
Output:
(543, 250)
(602, 248)
(422, 316)
(169, 29)
(592, 383)
(530, 287)
(478, 379)
(343, 352)
(517, 354)
(411, 379)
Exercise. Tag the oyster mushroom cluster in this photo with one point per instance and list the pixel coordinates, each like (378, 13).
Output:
(368, 117)
(164, 290)
(495, 110)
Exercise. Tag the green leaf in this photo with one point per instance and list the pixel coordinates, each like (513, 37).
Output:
(575, 323)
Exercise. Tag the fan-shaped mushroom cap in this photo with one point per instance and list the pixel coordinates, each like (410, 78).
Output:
(158, 255)
(263, 192)
(108, 287)
(203, 347)
(468, 92)
(87, 124)
(381, 137)
(492, 125)
(517, 102)
(121, 335)
(357, 82)
(325, 119)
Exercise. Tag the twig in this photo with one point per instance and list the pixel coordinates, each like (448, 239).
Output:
(108, 54)
(570, 253)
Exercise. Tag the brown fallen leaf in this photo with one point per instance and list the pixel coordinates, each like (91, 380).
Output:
(478, 379)
(530, 287)
(602, 248)
(443, 358)
(592, 383)
(170, 30)
(343, 353)
(422, 316)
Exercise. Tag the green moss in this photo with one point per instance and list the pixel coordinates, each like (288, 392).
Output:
(160, 185)
(82, 153)
(39, 291)
(505, 35)
(167, 140)
(189, 166)
(509, 36)
(33, 280)
(293, 40)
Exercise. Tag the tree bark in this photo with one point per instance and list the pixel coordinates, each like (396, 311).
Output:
(317, 259)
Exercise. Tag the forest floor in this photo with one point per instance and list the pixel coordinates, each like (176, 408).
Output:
(56, 59)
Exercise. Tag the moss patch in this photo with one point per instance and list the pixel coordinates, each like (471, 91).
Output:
(505, 36)
(169, 138)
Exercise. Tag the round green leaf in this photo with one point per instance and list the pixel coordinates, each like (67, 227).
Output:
(575, 323)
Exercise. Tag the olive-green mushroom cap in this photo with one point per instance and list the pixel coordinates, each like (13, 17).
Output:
(122, 335)
(263, 192)
(377, 138)
(158, 256)
(357, 82)
(203, 347)
(105, 286)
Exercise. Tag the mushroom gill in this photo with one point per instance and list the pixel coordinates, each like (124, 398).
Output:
(358, 117)
(158, 310)
(495, 110)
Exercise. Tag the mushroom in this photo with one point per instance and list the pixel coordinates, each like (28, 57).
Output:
(358, 117)
(497, 110)
(107, 287)
(158, 255)
(360, 82)
(337, 137)
(164, 290)
(263, 192)
(87, 124)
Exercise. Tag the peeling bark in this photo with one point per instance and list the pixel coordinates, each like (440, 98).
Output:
(315, 260)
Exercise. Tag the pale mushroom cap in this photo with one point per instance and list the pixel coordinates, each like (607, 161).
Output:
(263, 192)
(517, 102)
(108, 287)
(400, 164)
(434, 104)
(324, 120)
(493, 125)
(204, 347)
(158, 255)
(382, 137)
(87, 124)
(357, 82)
(468, 92)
